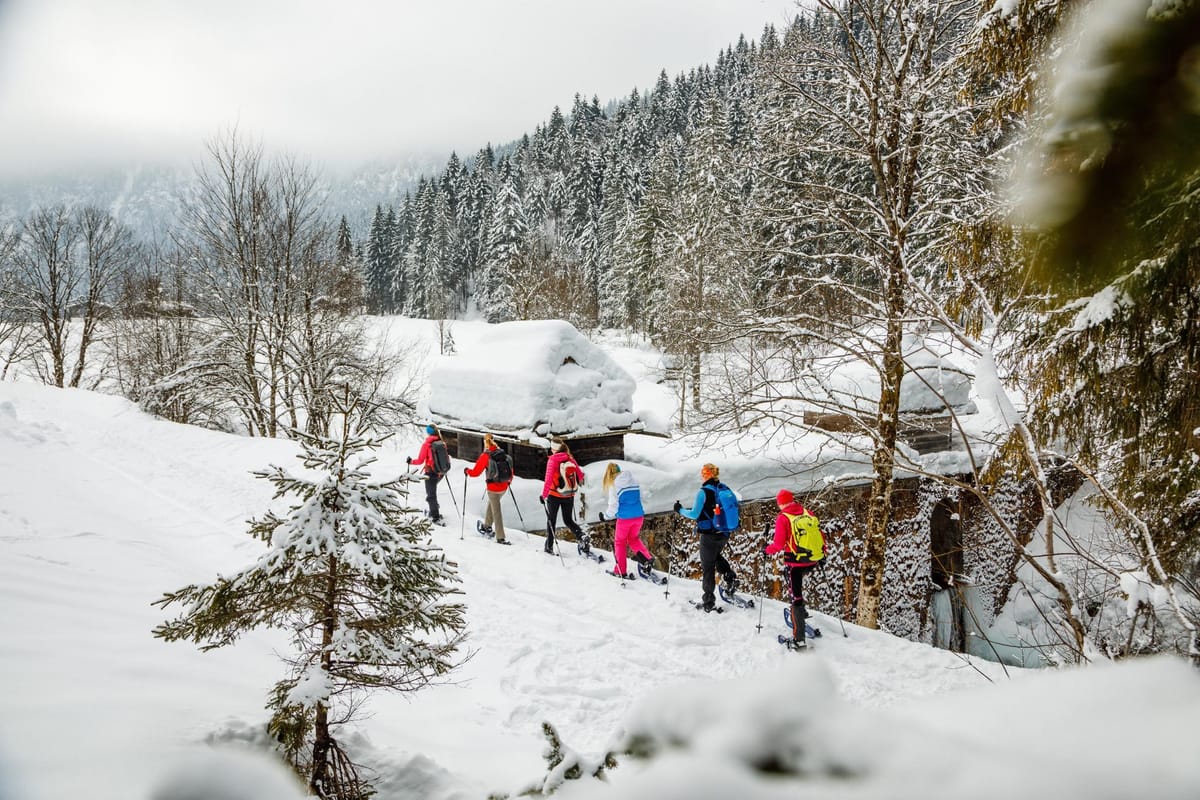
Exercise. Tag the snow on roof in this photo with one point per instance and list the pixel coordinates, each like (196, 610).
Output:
(935, 377)
(542, 376)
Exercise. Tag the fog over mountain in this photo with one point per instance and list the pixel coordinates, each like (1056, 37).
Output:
(147, 198)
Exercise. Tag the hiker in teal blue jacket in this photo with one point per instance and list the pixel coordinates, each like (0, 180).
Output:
(712, 541)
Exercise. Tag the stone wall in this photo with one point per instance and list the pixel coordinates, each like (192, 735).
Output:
(986, 554)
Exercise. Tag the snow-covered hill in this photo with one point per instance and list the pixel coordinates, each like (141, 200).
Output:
(102, 508)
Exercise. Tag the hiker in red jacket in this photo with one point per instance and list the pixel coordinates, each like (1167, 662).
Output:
(427, 460)
(499, 476)
(564, 476)
(803, 546)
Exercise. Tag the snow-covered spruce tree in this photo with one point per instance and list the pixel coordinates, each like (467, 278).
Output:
(378, 268)
(703, 232)
(353, 575)
(507, 230)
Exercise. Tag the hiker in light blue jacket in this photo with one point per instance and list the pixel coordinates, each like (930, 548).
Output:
(625, 506)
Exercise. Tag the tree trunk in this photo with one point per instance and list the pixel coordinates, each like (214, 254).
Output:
(879, 515)
(322, 741)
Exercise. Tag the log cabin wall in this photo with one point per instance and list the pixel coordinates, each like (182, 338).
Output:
(529, 461)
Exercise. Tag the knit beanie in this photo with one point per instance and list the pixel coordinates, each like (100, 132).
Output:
(430, 430)
(784, 497)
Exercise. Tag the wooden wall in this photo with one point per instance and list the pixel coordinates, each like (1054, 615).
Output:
(529, 461)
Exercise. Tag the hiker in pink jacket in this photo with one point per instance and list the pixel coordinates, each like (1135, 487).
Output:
(564, 476)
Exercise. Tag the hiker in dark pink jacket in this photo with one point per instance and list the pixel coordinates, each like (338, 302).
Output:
(564, 476)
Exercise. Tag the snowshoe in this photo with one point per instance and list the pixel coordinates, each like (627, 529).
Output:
(733, 599)
(615, 574)
(699, 606)
(795, 645)
(585, 549)
(809, 630)
(484, 530)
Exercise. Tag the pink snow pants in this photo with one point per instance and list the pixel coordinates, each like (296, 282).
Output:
(626, 537)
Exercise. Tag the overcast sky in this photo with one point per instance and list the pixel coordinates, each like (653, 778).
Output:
(112, 82)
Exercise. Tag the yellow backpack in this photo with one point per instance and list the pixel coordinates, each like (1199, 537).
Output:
(807, 543)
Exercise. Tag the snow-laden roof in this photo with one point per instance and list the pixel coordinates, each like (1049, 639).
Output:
(540, 376)
(935, 379)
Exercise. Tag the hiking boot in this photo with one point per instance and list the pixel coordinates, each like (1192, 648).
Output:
(622, 576)
(731, 585)
(503, 541)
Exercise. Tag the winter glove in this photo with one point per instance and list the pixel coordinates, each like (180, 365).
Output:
(678, 505)
(408, 460)
(467, 471)
(542, 500)
(602, 516)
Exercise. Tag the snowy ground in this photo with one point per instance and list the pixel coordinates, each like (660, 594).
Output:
(103, 508)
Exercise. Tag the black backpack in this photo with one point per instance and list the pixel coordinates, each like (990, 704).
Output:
(441, 457)
(499, 467)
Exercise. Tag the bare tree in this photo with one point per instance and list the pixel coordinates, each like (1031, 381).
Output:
(64, 266)
(267, 274)
(154, 334)
(17, 338)
(253, 240)
(108, 248)
(883, 164)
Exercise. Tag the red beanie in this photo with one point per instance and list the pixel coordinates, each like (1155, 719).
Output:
(785, 497)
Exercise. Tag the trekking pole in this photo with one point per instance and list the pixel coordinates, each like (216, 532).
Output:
(462, 526)
(452, 500)
(518, 508)
(846, 587)
(670, 547)
(762, 581)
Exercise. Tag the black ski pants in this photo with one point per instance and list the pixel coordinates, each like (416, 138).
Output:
(567, 506)
(711, 562)
(795, 579)
(431, 482)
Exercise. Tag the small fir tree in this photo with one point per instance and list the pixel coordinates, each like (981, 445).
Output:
(353, 575)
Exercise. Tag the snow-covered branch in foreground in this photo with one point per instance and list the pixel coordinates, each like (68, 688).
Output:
(789, 734)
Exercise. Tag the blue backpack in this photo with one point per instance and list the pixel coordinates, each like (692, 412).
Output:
(726, 514)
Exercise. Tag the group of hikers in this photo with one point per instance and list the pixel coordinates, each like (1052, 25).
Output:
(796, 533)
